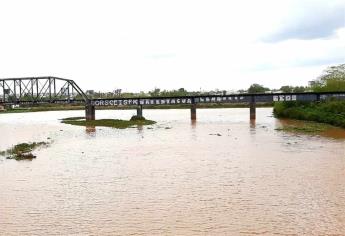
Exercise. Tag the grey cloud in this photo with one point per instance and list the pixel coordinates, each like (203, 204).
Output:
(311, 22)
(320, 61)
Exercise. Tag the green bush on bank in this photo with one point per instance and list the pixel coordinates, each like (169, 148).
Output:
(330, 112)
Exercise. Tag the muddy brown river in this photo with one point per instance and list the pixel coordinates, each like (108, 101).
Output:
(221, 175)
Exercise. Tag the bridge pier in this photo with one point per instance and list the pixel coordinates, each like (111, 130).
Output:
(140, 111)
(252, 108)
(90, 113)
(193, 111)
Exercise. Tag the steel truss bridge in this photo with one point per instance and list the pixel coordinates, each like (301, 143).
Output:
(41, 90)
(38, 90)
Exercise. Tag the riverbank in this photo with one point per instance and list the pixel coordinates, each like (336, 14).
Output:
(328, 112)
(71, 107)
(305, 127)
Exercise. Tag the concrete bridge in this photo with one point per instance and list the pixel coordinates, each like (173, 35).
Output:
(41, 90)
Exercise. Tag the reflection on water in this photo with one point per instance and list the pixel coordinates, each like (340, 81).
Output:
(252, 123)
(193, 124)
(90, 129)
(140, 128)
(174, 178)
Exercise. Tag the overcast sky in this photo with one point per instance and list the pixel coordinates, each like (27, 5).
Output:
(195, 44)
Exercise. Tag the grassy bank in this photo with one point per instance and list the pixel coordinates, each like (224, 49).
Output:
(113, 123)
(307, 127)
(329, 112)
(43, 107)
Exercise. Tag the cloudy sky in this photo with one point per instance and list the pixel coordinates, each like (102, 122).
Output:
(137, 45)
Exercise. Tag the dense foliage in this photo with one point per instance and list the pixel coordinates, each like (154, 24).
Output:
(292, 89)
(332, 79)
(330, 112)
(257, 88)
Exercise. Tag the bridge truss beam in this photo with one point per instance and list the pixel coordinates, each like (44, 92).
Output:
(35, 90)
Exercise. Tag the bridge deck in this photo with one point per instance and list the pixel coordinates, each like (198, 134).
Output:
(233, 98)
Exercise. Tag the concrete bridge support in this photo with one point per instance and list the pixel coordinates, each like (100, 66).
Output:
(252, 108)
(90, 112)
(140, 111)
(193, 112)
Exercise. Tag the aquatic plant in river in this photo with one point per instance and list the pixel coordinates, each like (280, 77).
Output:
(22, 151)
(113, 123)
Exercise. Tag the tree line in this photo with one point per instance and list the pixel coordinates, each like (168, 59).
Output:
(332, 79)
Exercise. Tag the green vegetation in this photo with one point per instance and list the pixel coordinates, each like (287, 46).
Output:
(330, 112)
(306, 127)
(292, 89)
(257, 88)
(22, 151)
(113, 123)
(332, 79)
(73, 118)
(137, 118)
(43, 107)
(166, 93)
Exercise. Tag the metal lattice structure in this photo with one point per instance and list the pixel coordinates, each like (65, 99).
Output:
(36, 90)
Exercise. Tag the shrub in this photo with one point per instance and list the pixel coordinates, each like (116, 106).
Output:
(137, 118)
(330, 112)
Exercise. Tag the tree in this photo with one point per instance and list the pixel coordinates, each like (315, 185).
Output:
(286, 89)
(182, 92)
(155, 92)
(299, 89)
(332, 79)
(242, 91)
(257, 88)
(292, 89)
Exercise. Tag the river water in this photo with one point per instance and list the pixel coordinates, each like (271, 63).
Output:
(221, 175)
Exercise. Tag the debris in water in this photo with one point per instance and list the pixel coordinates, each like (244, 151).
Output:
(217, 134)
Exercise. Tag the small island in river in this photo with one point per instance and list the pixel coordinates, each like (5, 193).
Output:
(113, 123)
